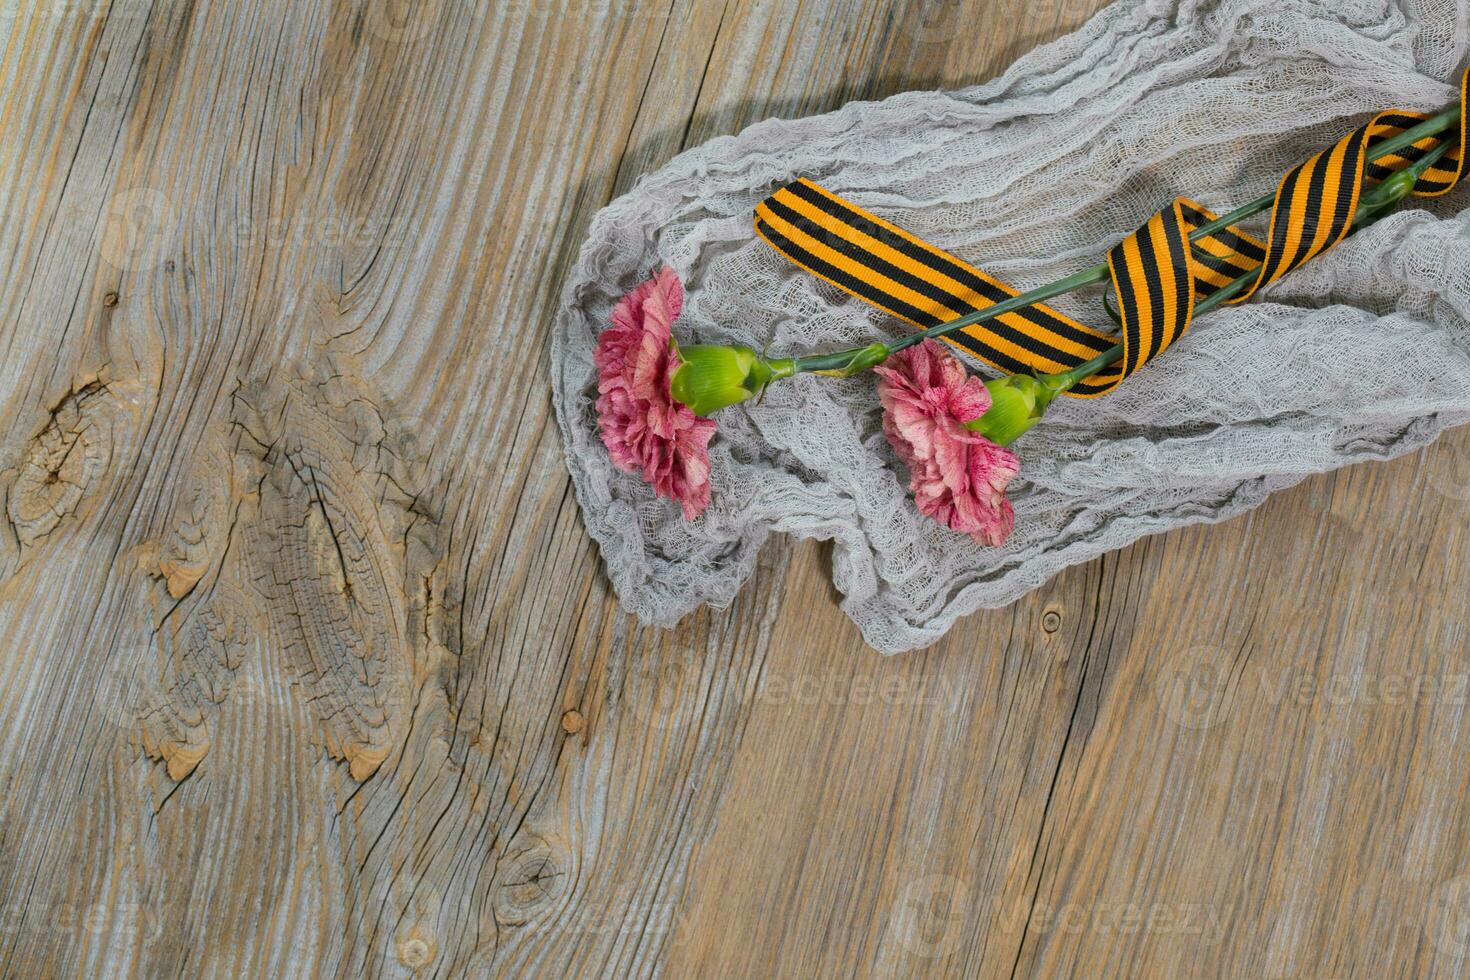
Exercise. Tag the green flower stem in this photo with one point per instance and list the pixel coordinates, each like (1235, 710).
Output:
(848, 362)
(1432, 126)
(1378, 203)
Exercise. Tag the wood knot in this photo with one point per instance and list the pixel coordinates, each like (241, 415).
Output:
(1051, 621)
(536, 881)
(415, 952)
(109, 299)
(64, 463)
(572, 722)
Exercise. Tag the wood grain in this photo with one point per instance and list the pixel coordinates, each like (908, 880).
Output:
(309, 667)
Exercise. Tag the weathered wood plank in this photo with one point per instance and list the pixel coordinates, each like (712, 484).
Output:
(310, 669)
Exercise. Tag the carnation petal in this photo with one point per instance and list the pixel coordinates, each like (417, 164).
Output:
(957, 477)
(644, 429)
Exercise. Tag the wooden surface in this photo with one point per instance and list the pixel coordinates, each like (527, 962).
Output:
(309, 668)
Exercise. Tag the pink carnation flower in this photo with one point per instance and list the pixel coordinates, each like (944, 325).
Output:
(958, 477)
(642, 425)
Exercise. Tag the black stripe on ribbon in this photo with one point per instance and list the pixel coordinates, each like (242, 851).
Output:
(1313, 210)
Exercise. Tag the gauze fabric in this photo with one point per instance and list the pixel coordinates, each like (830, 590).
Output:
(1362, 354)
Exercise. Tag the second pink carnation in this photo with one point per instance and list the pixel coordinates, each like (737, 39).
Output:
(957, 477)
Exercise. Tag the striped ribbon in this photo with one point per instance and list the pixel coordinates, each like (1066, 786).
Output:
(1158, 274)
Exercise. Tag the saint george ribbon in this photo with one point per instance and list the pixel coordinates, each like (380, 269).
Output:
(1158, 273)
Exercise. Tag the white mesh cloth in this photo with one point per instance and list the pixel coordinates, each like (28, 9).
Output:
(1363, 353)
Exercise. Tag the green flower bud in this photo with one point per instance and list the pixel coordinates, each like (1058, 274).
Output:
(869, 356)
(1013, 409)
(1385, 198)
(848, 363)
(1400, 185)
(711, 377)
(1017, 402)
